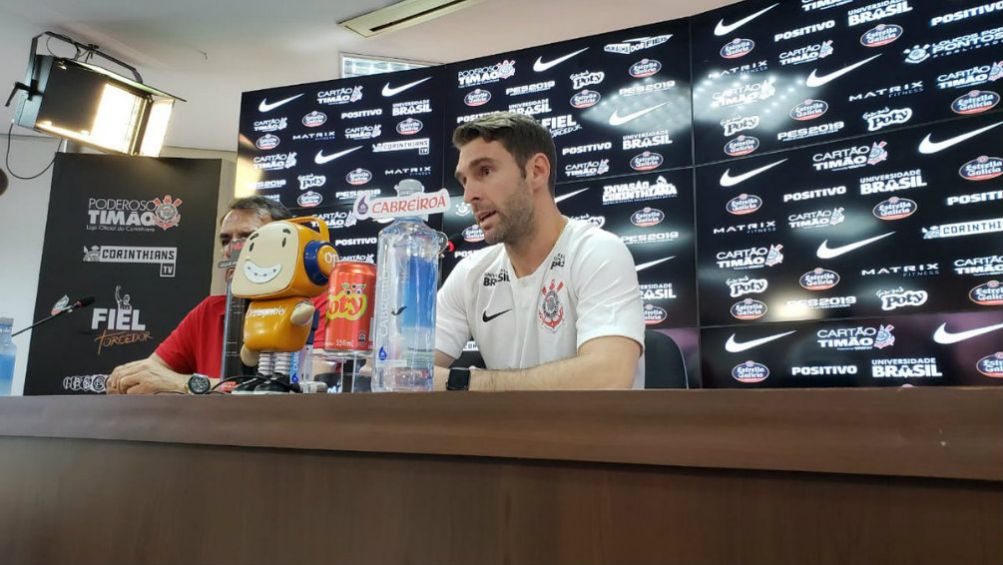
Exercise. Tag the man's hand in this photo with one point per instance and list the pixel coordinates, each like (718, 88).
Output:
(146, 376)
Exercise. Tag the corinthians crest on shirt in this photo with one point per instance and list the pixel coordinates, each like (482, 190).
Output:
(551, 312)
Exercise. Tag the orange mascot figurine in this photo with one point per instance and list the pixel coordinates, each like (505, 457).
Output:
(282, 266)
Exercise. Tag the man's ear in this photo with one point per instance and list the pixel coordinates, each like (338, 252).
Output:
(538, 171)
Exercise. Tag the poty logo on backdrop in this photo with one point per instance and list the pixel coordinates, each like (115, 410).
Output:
(121, 325)
(739, 124)
(586, 78)
(886, 117)
(745, 285)
(120, 214)
(895, 298)
(419, 204)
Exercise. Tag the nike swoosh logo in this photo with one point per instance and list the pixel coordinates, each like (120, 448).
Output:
(947, 338)
(733, 346)
(815, 81)
(539, 66)
(389, 91)
(617, 120)
(321, 159)
(826, 252)
(650, 264)
(928, 147)
(486, 318)
(725, 29)
(564, 197)
(727, 180)
(398, 311)
(266, 106)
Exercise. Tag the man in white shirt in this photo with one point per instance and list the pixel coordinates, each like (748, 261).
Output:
(554, 303)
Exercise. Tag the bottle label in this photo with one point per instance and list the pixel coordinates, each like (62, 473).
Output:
(419, 204)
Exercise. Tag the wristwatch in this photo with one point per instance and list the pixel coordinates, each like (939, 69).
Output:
(197, 384)
(459, 379)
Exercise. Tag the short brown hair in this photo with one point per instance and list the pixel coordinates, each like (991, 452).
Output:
(520, 135)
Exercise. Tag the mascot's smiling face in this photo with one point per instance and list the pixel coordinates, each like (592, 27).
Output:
(268, 262)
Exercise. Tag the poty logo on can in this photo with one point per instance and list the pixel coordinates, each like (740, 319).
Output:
(809, 110)
(358, 177)
(647, 217)
(819, 279)
(409, 126)
(975, 102)
(737, 48)
(585, 99)
(881, 35)
(748, 309)
(477, 97)
(314, 119)
(646, 161)
(654, 315)
(750, 372)
(982, 169)
(743, 204)
(473, 234)
(987, 294)
(741, 145)
(895, 208)
(645, 68)
(267, 142)
(991, 365)
(309, 199)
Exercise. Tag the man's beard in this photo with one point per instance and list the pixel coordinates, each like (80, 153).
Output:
(514, 221)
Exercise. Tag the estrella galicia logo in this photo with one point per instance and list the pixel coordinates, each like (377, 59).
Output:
(991, 365)
(743, 204)
(646, 161)
(895, 208)
(267, 142)
(585, 99)
(645, 68)
(654, 315)
(473, 234)
(741, 145)
(737, 48)
(819, 279)
(358, 177)
(647, 217)
(809, 110)
(881, 35)
(982, 169)
(314, 119)
(975, 102)
(309, 199)
(477, 97)
(409, 126)
(749, 309)
(987, 294)
(750, 372)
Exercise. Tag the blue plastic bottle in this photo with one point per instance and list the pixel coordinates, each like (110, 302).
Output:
(8, 353)
(407, 272)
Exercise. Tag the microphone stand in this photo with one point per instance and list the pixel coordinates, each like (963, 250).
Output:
(46, 319)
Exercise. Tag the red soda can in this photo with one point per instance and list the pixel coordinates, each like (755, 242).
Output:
(350, 308)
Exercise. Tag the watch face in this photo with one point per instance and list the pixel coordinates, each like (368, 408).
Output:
(198, 384)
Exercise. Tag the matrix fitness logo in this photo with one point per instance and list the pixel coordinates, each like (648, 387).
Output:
(124, 215)
(120, 325)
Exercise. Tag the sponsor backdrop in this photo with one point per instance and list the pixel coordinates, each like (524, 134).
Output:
(136, 234)
(773, 167)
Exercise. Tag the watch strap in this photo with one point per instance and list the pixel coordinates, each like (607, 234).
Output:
(459, 379)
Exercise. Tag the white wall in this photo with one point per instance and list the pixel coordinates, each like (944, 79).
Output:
(23, 211)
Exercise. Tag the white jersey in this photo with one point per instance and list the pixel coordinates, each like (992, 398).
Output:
(585, 288)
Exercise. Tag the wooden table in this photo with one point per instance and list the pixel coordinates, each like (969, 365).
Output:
(838, 476)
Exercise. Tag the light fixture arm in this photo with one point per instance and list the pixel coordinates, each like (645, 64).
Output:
(81, 48)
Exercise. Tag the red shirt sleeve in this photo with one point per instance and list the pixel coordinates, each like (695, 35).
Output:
(191, 341)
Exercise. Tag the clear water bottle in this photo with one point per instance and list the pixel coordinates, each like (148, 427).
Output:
(7, 355)
(407, 272)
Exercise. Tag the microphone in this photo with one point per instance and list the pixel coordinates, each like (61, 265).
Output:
(76, 304)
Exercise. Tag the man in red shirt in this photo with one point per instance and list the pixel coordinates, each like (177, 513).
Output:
(196, 345)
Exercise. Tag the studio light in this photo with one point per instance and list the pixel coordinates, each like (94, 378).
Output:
(82, 102)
